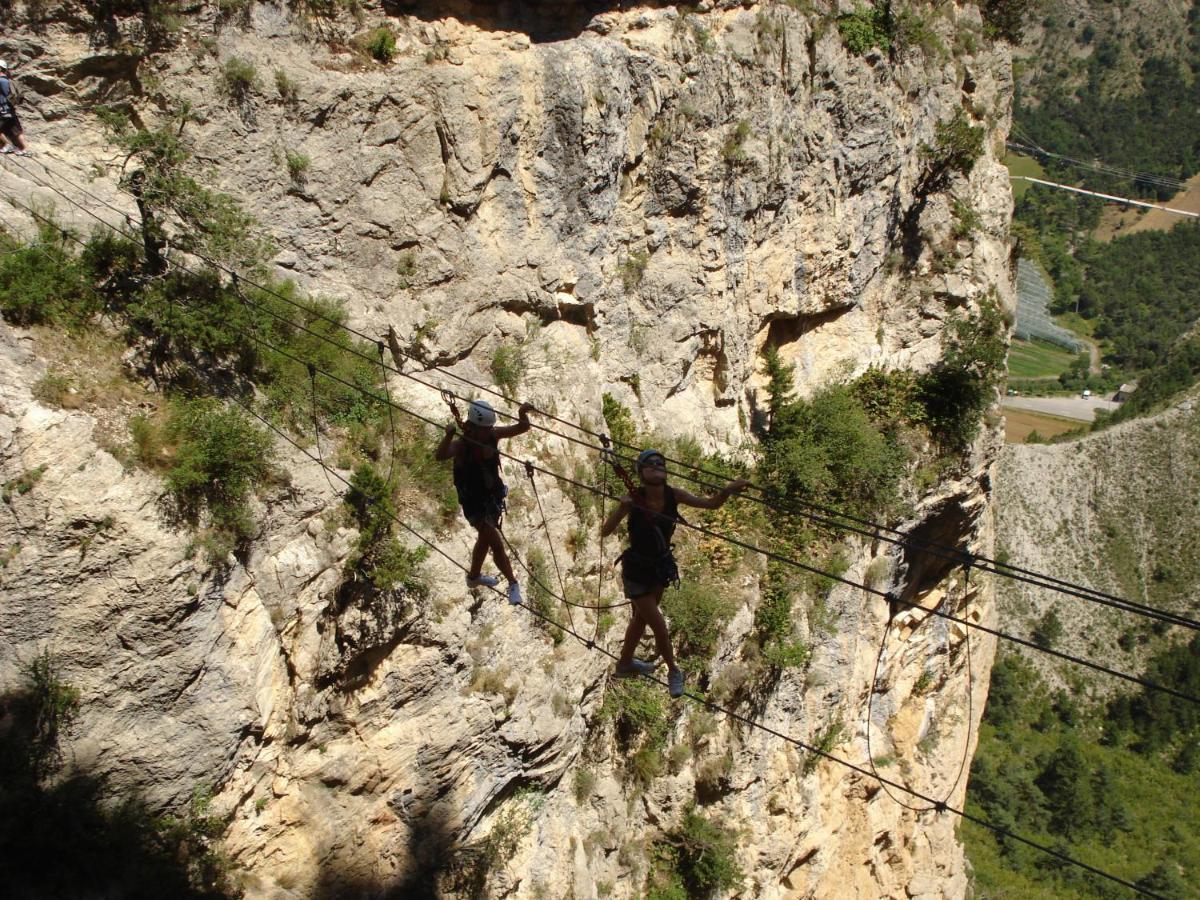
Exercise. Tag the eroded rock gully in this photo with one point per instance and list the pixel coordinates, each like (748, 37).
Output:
(641, 198)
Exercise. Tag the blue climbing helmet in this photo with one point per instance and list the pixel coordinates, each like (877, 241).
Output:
(648, 454)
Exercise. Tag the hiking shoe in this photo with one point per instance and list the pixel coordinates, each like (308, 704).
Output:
(8, 148)
(635, 668)
(514, 594)
(482, 581)
(22, 153)
(675, 683)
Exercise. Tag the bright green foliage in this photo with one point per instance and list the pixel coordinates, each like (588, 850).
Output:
(44, 282)
(638, 710)
(695, 859)
(297, 164)
(508, 367)
(219, 459)
(773, 626)
(309, 329)
(619, 421)
(826, 450)
(781, 383)
(867, 27)
(698, 612)
(238, 78)
(957, 390)
(381, 43)
(209, 222)
(957, 145)
(541, 592)
(191, 314)
(890, 399)
(378, 557)
(1040, 359)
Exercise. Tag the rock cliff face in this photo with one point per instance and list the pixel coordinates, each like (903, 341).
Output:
(641, 200)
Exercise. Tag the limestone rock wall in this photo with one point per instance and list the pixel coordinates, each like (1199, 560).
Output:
(641, 204)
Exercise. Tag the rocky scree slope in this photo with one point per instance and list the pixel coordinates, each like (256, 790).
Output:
(641, 208)
(1114, 511)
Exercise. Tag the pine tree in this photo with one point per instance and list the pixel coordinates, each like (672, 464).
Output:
(780, 386)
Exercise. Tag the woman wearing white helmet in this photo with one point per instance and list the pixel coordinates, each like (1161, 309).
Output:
(10, 122)
(648, 565)
(481, 491)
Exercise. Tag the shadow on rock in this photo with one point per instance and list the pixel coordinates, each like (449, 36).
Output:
(65, 834)
(544, 21)
(432, 848)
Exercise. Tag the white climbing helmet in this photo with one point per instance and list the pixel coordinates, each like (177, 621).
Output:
(480, 413)
(4, 64)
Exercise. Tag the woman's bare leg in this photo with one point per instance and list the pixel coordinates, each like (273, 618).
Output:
(495, 540)
(648, 611)
(478, 552)
(633, 634)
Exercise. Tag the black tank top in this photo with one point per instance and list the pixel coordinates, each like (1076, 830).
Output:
(477, 474)
(650, 533)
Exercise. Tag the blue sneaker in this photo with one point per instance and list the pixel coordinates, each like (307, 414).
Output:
(633, 670)
(675, 683)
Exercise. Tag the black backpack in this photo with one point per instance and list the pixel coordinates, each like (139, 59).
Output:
(9, 104)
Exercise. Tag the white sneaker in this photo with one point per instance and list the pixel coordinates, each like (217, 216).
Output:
(482, 581)
(8, 148)
(514, 594)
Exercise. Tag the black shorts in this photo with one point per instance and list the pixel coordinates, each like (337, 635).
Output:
(488, 511)
(11, 127)
(634, 589)
(640, 576)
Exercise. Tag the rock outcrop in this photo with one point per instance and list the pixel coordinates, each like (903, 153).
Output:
(641, 205)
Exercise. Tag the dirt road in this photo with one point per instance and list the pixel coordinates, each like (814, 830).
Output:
(1064, 407)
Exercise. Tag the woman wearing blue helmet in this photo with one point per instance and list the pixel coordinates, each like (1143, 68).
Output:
(481, 491)
(648, 565)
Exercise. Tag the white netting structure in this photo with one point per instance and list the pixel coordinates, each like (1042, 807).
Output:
(1034, 293)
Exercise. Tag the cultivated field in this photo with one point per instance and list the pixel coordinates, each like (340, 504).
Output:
(1023, 165)
(1037, 359)
(1019, 424)
(1117, 222)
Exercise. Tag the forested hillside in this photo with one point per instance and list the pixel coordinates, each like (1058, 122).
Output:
(1109, 103)
(1103, 772)
(1102, 769)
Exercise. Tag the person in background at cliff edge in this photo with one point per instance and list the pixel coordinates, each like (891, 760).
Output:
(10, 123)
(480, 489)
(648, 565)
